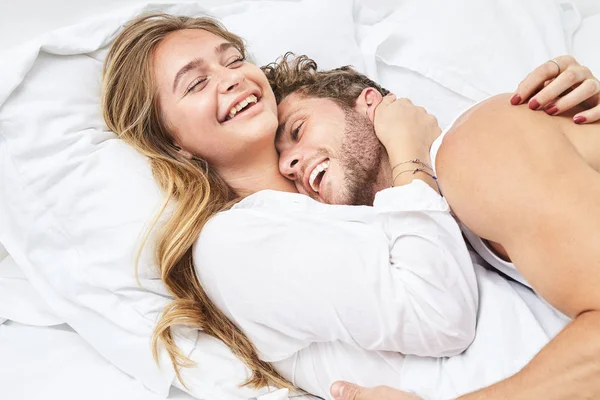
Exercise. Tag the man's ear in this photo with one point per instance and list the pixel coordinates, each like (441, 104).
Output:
(367, 102)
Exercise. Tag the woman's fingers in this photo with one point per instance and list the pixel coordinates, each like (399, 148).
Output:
(388, 99)
(559, 85)
(577, 77)
(588, 116)
(586, 91)
(535, 80)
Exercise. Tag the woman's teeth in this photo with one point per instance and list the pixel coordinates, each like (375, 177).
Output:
(315, 173)
(241, 105)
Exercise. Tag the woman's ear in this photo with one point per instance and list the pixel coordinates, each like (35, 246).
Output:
(367, 102)
(184, 153)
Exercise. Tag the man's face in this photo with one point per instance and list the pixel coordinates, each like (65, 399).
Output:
(331, 153)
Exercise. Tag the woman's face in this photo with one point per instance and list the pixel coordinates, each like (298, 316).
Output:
(215, 104)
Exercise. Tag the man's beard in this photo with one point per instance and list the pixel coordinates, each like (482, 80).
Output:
(361, 156)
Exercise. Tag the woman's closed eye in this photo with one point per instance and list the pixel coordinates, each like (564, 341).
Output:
(196, 83)
(236, 62)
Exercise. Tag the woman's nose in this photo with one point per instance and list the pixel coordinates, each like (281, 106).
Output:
(230, 79)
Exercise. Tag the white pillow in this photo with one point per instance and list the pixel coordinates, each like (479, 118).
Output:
(75, 200)
(446, 55)
(3, 252)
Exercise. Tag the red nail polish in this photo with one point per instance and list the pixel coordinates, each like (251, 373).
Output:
(516, 99)
(534, 104)
(580, 119)
(552, 110)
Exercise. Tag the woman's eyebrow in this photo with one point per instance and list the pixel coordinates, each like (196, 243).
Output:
(197, 62)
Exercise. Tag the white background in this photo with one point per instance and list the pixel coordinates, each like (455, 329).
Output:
(21, 20)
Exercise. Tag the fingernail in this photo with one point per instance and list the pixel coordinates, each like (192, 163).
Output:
(516, 99)
(337, 389)
(579, 119)
(534, 104)
(551, 110)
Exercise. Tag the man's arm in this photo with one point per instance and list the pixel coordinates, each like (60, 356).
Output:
(513, 177)
(567, 368)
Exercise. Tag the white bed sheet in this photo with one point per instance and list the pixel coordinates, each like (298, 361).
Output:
(43, 363)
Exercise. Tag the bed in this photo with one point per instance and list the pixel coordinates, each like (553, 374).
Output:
(43, 357)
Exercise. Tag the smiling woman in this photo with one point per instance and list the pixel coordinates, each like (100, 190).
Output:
(204, 87)
(169, 85)
(180, 90)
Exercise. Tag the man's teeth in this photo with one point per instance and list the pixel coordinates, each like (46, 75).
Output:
(318, 169)
(241, 105)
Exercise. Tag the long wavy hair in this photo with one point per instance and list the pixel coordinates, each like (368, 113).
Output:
(196, 191)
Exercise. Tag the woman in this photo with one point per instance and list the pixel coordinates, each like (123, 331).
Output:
(180, 91)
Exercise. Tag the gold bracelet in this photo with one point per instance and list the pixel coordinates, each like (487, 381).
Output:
(414, 171)
(413, 161)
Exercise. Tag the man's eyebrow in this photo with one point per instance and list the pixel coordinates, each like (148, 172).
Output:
(198, 62)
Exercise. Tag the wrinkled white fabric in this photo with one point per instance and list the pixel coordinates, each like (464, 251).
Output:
(291, 272)
(75, 201)
(345, 289)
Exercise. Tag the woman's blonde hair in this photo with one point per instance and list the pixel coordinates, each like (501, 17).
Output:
(130, 108)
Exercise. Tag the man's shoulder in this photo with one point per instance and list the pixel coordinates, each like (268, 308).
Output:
(493, 112)
(493, 125)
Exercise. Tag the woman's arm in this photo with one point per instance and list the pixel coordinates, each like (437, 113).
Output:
(398, 278)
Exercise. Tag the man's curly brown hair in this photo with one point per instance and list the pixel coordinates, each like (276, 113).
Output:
(292, 74)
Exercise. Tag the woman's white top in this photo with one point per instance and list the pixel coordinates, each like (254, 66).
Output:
(362, 293)
(291, 271)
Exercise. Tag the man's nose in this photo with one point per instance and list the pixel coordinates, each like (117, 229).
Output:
(289, 165)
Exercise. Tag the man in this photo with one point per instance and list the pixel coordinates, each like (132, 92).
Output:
(522, 180)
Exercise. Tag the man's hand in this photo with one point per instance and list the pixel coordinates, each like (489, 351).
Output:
(559, 85)
(348, 391)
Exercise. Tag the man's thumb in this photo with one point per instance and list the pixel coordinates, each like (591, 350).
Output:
(341, 390)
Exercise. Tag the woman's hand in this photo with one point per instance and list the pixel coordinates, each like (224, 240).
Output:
(407, 133)
(559, 85)
(349, 391)
(404, 128)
